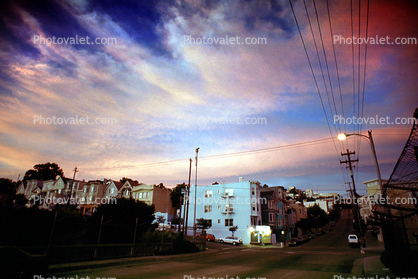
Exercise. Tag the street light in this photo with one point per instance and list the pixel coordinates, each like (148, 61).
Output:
(370, 141)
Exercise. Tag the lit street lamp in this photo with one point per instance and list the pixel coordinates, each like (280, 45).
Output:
(370, 140)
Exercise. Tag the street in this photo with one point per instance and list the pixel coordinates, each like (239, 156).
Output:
(323, 257)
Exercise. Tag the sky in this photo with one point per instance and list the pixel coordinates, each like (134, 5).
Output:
(157, 80)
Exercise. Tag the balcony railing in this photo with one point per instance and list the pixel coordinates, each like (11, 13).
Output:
(228, 210)
(227, 195)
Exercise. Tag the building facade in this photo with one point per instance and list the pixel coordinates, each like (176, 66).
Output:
(225, 206)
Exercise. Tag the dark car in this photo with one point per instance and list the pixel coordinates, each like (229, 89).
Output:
(293, 242)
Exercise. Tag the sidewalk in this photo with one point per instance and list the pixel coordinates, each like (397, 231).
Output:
(371, 266)
(56, 268)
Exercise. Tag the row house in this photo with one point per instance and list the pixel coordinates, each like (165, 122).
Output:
(159, 197)
(229, 205)
(274, 211)
(112, 189)
(91, 195)
(295, 212)
(30, 189)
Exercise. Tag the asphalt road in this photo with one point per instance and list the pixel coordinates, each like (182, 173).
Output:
(325, 256)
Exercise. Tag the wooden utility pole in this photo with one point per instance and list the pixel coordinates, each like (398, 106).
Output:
(72, 185)
(354, 193)
(188, 198)
(349, 161)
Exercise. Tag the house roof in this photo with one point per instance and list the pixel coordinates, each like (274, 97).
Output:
(118, 184)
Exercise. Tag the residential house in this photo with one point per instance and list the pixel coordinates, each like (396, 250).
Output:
(229, 205)
(92, 195)
(301, 213)
(274, 211)
(33, 189)
(156, 195)
(20, 190)
(112, 189)
(326, 205)
(366, 203)
(126, 190)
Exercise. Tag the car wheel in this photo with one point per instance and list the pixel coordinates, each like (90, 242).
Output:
(234, 243)
(221, 241)
(207, 239)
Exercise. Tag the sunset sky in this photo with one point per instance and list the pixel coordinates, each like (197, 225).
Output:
(167, 95)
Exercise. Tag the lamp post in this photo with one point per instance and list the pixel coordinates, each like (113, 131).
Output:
(195, 194)
(370, 141)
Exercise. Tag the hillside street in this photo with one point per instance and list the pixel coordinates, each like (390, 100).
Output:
(326, 256)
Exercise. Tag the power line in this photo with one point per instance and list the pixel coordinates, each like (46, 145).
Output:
(226, 155)
(313, 74)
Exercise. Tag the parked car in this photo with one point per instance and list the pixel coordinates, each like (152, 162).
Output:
(293, 242)
(231, 239)
(209, 237)
(311, 236)
(353, 240)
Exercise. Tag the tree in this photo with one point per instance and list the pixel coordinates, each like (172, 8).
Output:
(317, 217)
(124, 179)
(20, 200)
(176, 194)
(233, 230)
(203, 224)
(7, 186)
(7, 190)
(119, 220)
(44, 172)
(161, 185)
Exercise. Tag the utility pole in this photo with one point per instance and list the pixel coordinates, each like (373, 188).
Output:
(195, 197)
(188, 198)
(179, 222)
(354, 193)
(349, 189)
(349, 161)
(72, 185)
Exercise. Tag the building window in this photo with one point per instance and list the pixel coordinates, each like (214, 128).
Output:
(111, 191)
(229, 207)
(219, 221)
(271, 217)
(254, 207)
(229, 192)
(208, 194)
(219, 206)
(229, 222)
(208, 208)
(139, 195)
(219, 191)
(95, 189)
(59, 191)
(253, 191)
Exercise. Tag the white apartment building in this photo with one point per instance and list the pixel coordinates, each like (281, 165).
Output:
(226, 206)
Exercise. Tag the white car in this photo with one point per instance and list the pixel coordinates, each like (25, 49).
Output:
(231, 239)
(353, 240)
